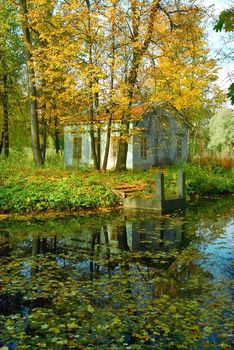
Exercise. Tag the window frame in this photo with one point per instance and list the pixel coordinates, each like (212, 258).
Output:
(179, 146)
(143, 147)
(77, 148)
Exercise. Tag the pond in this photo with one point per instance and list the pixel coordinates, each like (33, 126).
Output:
(123, 280)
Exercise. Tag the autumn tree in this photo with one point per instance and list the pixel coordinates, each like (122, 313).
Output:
(166, 56)
(64, 62)
(182, 74)
(36, 149)
(140, 19)
(91, 61)
(71, 73)
(71, 63)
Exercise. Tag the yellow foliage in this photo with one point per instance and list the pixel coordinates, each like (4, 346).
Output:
(99, 55)
(184, 74)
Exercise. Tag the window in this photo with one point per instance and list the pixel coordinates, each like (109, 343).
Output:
(114, 146)
(156, 143)
(144, 146)
(179, 148)
(77, 148)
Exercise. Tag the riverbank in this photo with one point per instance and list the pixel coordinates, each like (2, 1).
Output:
(25, 189)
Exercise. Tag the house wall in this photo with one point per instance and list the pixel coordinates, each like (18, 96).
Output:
(74, 131)
(162, 137)
(146, 162)
(70, 133)
(182, 132)
(68, 145)
(162, 134)
(112, 155)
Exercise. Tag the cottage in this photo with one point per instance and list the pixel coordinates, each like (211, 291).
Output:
(161, 138)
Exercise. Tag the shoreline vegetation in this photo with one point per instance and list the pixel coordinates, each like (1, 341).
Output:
(54, 189)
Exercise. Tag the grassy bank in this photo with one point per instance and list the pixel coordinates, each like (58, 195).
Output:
(24, 188)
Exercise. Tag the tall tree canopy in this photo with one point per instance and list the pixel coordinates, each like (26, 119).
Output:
(183, 74)
(92, 60)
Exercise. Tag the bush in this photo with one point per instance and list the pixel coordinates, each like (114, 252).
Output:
(208, 179)
(22, 196)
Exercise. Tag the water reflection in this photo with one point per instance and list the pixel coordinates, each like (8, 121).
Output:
(120, 281)
(121, 234)
(4, 243)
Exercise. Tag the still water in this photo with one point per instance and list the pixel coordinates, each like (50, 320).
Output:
(123, 280)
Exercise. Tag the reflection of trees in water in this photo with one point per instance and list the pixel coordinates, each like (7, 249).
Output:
(208, 218)
(105, 289)
(88, 262)
(44, 245)
(4, 243)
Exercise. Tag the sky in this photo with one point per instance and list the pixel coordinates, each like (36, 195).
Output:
(216, 41)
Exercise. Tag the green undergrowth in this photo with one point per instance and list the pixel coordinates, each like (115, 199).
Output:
(24, 188)
(207, 180)
(37, 195)
(41, 191)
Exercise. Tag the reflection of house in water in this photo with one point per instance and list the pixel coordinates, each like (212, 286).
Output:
(123, 233)
(89, 252)
(131, 234)
(156, 234)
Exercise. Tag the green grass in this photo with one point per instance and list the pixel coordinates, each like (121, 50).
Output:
(25, 188)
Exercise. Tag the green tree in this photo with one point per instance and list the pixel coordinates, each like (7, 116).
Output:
(226, 22)
(222, 131)
(11, 69)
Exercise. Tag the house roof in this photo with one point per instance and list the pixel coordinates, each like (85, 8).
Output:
(137, 112)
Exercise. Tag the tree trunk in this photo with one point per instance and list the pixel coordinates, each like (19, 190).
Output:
(5, 116)
(107, 148)
(121, 163)
(36, 149)
(93, 141)
(98, 144)
(1, 142)
(124, 132)
(98, 148)
(56, 136)
(91, 109)
(44, 140)
(112, 77)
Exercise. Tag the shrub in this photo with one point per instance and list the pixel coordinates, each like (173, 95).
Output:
(22, 196)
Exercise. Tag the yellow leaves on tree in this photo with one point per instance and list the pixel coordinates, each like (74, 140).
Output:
(183, 74)
(91, 55)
